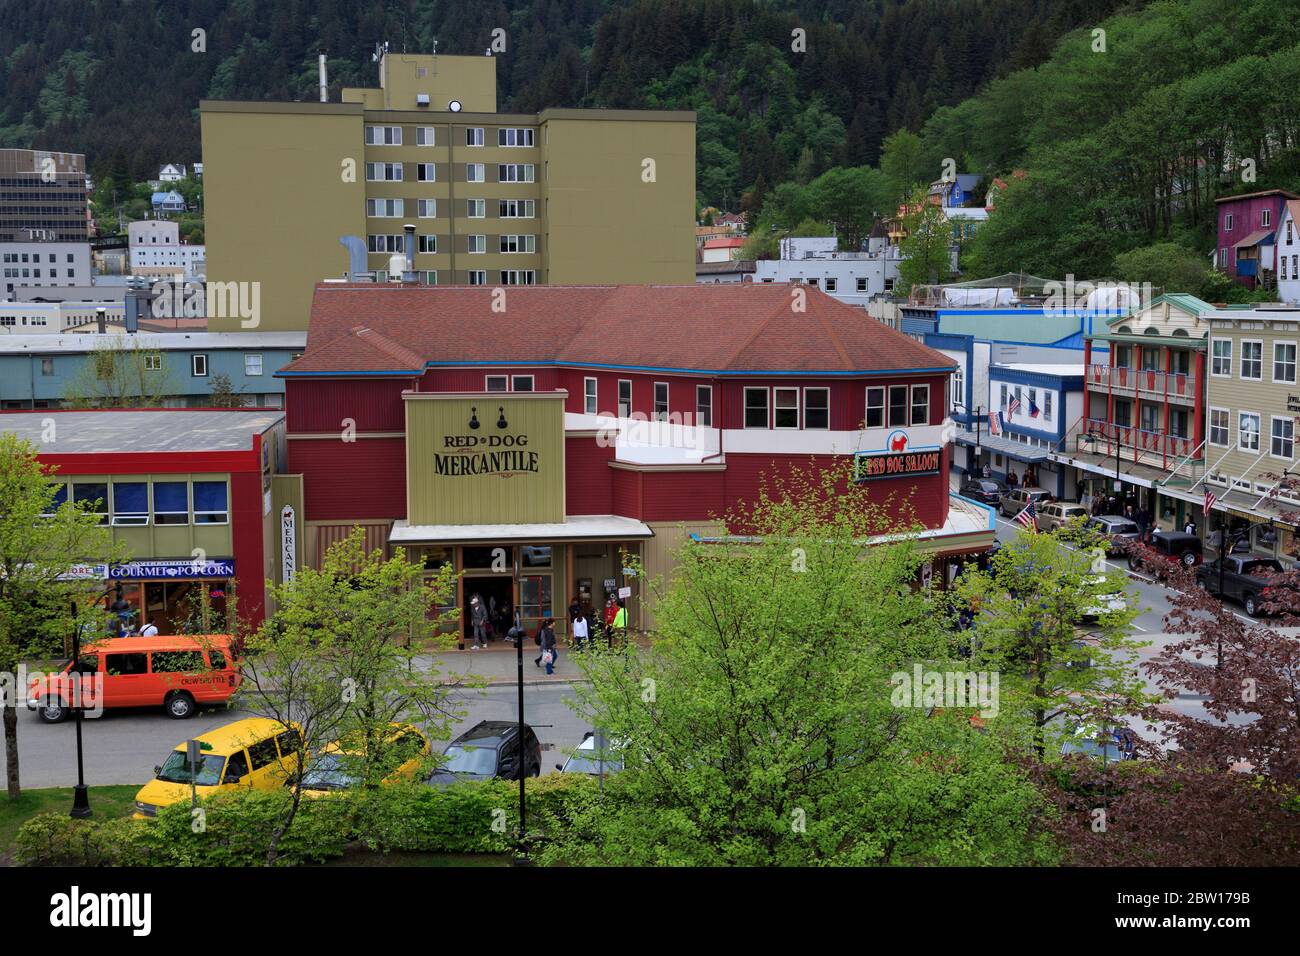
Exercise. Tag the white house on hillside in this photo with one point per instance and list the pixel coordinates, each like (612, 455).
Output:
(1288, 254)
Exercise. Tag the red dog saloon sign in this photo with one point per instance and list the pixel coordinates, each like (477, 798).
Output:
(896, 460)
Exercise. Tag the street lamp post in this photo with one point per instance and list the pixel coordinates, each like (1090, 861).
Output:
(979, 420)
(521, 859)
(80, 795)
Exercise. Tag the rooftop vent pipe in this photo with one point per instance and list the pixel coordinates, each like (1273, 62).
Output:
(324, 80)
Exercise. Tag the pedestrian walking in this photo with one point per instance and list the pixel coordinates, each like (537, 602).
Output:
(478, 618)
(1190, 527)
(1143, 522)
(581, 633)
(546, 639)
(988, 472)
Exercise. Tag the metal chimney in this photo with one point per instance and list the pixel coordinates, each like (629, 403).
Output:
(99, 320)
(324, 79)
(409, 274)
(132, 314)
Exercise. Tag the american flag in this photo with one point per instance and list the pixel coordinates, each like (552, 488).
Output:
(1026, 516)
(1013, 406)
(1210, 499)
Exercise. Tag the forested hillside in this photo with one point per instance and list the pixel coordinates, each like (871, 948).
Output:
(119, 80)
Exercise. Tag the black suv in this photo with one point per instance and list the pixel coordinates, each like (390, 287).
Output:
(1164, 550)
(984, 490)
(490, 749)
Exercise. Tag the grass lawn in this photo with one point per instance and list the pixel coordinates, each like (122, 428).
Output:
(116, 801)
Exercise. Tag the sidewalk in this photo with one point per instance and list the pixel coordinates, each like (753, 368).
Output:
(498, 662)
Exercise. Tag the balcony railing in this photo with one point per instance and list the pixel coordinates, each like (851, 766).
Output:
(1135, 444)
(1145, 381)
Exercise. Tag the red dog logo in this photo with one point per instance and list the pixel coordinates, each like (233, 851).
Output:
(898, 442)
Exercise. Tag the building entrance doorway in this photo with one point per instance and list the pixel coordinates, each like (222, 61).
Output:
(496, 594)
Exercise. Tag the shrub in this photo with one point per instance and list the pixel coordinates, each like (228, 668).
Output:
(55, 839)
(239, 825)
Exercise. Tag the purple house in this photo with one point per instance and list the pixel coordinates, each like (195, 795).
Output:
(1247, 232)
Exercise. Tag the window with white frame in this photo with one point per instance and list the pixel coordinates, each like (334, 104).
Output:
(385, 242)
(756, 408)
(516, 208)
(661, 401)
(589, 402)
(920, 404)
(518, 243)
(152, 363)
(1252, 359)
(512, 136)
(199, 365)
(704, 406)
(817, 408)
(474, 136)
(496, 383)
(476, 277)
(430, 276)
(1047, 406)
(427, 208)
(383, 172)
(1221, 357)
(475, 172)
(875, 417)
(1227, 222)
(424, 136)
(959, 386)
(830, 284)
(1284, 362)
(475, 208)
(898, 406)
(1219, 427)
(427, 244)
(785, 407)
(1283, 445)
(624, 398)
(384, 208)
(515, 172)
(1248, 431)
(521, 383)
(426, 173)
(1265, 217)
(253, 363)
(383, 136)
(476, 243)
(518, 277)
(862, 284)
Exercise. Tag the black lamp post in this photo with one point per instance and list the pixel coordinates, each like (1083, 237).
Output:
(979, 419)
(80, 795)
(521, 858)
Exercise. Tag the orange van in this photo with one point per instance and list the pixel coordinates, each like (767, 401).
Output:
(177, 673)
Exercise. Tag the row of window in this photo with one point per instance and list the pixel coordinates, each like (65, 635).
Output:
(1153, 359)
(475, 243)
(1295, 266)
(428, 172)
(173, 502)
(13, 273)
(21, 257)
(475, 276)
(507, 136)
(1265, 220)
(1252, 360)
(831, 284)
(1281, 432)
(1152, 418)
(1032, 409)
(474, 208)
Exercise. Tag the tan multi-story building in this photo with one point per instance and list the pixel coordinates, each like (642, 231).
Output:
(42, 196)
(1251, 442)
(564, 196)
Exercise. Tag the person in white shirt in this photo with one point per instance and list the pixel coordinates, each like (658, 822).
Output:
(580, 631)
(149, 630)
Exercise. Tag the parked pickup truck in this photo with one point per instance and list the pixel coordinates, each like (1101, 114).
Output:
(1245, 579)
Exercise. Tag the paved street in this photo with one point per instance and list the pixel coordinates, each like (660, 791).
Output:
(124, 747)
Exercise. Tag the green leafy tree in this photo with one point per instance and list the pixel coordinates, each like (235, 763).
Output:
(119, 374)
(224, 394)
(40, 547)
(762, 728)
(1032, 606)
(338, 659)
(902, 163)
(927, 248)
(1166, 265)
(850, 200)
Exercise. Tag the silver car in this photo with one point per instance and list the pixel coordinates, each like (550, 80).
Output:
(1116, 528)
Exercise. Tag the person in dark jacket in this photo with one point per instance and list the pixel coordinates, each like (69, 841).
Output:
(546, 639)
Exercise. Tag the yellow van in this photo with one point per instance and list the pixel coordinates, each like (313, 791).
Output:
(257, 752)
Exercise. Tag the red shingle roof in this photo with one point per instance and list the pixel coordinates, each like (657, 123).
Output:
(752, 327)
